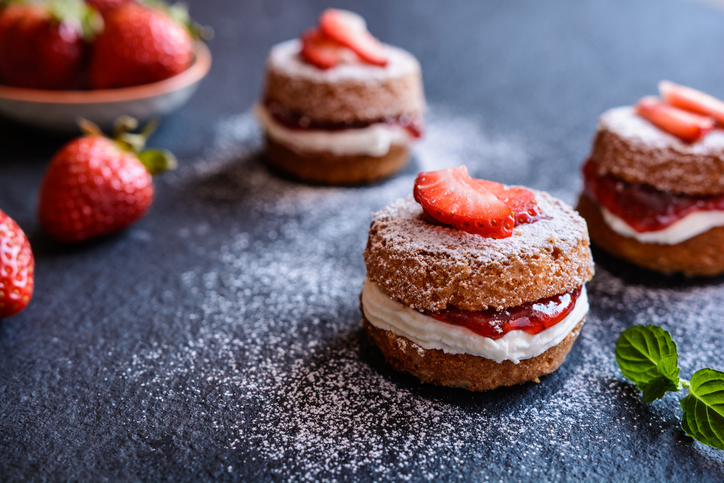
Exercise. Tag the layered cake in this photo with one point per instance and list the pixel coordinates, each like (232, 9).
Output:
(474, 284)
(339, 107)
(654, 183)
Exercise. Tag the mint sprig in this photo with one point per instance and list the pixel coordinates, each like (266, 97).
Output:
(647, 356)
(704, 408)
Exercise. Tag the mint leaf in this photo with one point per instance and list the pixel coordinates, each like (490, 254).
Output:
(704, 408)
(647, 356)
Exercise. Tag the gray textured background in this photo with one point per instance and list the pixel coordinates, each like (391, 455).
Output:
(219, 337)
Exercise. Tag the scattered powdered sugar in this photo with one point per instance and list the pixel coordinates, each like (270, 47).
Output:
(452, 140)
(640, 132)
(276, 366)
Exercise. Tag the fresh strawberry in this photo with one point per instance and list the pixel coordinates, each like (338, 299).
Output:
(323, 52)
(692, 100)
(17, 268)
(95, 186)
(350, 30)
(685, 125)
(452, 197)
(41, 45)
(520, 200)
(139, 45)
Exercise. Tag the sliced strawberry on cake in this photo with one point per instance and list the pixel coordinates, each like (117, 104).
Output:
(520, 200)
(452, 197)
(350, 30)
(685, 125)
(477, 206)
(692, 100)
(324, 52)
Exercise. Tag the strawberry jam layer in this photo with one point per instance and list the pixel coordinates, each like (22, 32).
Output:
(295, 120)
(531, 317)
(641, 206)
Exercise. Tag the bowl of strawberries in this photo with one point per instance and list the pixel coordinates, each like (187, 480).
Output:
(61, 60)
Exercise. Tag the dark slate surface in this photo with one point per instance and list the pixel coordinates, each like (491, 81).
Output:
(219, 337)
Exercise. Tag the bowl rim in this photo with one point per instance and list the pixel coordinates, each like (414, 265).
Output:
(192, 75)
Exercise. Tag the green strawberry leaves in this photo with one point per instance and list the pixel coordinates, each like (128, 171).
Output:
(156, 161)
(77, 14)
(704, 408)
(647, 356)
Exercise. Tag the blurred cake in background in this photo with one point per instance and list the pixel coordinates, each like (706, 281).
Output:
(654, 183)
(339, 107)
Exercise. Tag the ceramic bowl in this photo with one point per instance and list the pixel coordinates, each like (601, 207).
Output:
(59, 110)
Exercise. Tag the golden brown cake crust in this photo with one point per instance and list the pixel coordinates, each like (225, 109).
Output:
(634, 150)
(464, 370)
(345, 93)
(700, 255)
(331, 169)
(429, 267)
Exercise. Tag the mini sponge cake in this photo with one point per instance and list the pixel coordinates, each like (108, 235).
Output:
(349, 123)
(654, 199)
(446, 305)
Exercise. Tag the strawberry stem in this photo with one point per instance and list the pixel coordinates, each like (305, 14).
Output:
(89, 128)
(134, 142)
(150, 127)
(124, 124)
(155, 160)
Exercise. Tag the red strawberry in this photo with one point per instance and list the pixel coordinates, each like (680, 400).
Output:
(682, 124)
(520, 200)
(139, 45)
(324, 52)
(41, 46)
(452, 197)
(95, 186)
(350, 30)
(17, 268)
(692, 100)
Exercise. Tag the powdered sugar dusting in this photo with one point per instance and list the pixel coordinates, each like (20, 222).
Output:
(430, 267)
(284, 57)
(562, 228)
(626, 123)
(274, 363)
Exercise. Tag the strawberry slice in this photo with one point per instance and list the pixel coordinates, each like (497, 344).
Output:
(350, 30)
(685, 125)
(692, 100)
(452, 197)
(325, 53)
(520, 200)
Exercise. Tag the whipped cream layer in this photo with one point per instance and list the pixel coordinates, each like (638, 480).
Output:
(385, 313)
(373, 140)
(688, 227)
